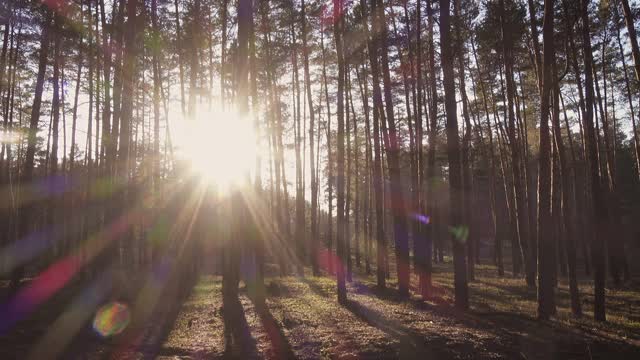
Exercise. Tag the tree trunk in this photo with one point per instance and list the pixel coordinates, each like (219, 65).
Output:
(381, 250)
(300, 203)
(329, 156)
(180, 61)
(338, 28)
(26, 213)
(520, 204)
(312, 165)
(456, 190)
(533, 23)
(633, 38)
(393, 158)
(636, 140)
(566, 174)
(419, 238)
(600, 216)
(492, 172)
(368, 213)
(430, 230)
(546, 258)
(467, 180)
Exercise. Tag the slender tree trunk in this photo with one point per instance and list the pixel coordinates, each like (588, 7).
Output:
(636, 140)
(348, 159)
(393, 160)
(338, 28)
(330, 178)
(356, 175)
(492, 171)
(107, 43)
(367, 211)
(430, 229)
(466, 150)
(26, 213)
(600, 216)
(566, 174)
(5, 44)
(300, 237)
(419, 238)
(55, 102)
(456, 192)
(381, 247)
(546, 258)
(633, 38)
(223, 52)
(520, 205)
(407, 88)
(312, 165)
(129, 78)
(179, 51)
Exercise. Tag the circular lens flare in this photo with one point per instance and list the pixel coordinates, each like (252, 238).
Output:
(111, 319)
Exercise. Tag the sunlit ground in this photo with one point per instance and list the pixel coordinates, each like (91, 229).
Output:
(305, 318)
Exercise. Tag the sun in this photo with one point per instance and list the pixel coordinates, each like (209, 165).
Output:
(219, 146)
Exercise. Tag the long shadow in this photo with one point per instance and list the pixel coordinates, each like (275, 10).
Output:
(412, 344)
(28, 330)
(317, 289)
(148, 335)
(155, 344)
(518, 335)
(238, 342)
(279, 343)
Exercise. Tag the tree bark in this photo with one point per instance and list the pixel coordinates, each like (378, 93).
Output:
(546, 258)
(456, 190)
(430, 230)
(599, 206)
(393, 158)
(372, 44)
(338, 28)
(636, 140)
(312, 165)
(633, 38)
(521, 209)
(567, 173)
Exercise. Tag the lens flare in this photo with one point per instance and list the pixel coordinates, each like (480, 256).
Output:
(425, 219)
(111, 319)
(460, 233)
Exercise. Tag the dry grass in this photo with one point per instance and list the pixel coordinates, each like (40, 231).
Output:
(501, 323)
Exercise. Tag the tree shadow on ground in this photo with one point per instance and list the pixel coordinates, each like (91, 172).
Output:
(280, 346)
(518, 335)
(412, 344)
(238, 342)
(146, 335)
(315, 287)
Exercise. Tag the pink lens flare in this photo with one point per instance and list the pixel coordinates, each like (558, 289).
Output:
(39, 290)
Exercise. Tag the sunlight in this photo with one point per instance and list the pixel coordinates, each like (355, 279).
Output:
(218, 145)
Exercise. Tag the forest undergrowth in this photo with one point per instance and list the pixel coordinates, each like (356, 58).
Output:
(303, 319)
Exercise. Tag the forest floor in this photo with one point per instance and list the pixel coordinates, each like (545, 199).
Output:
(303, 319)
